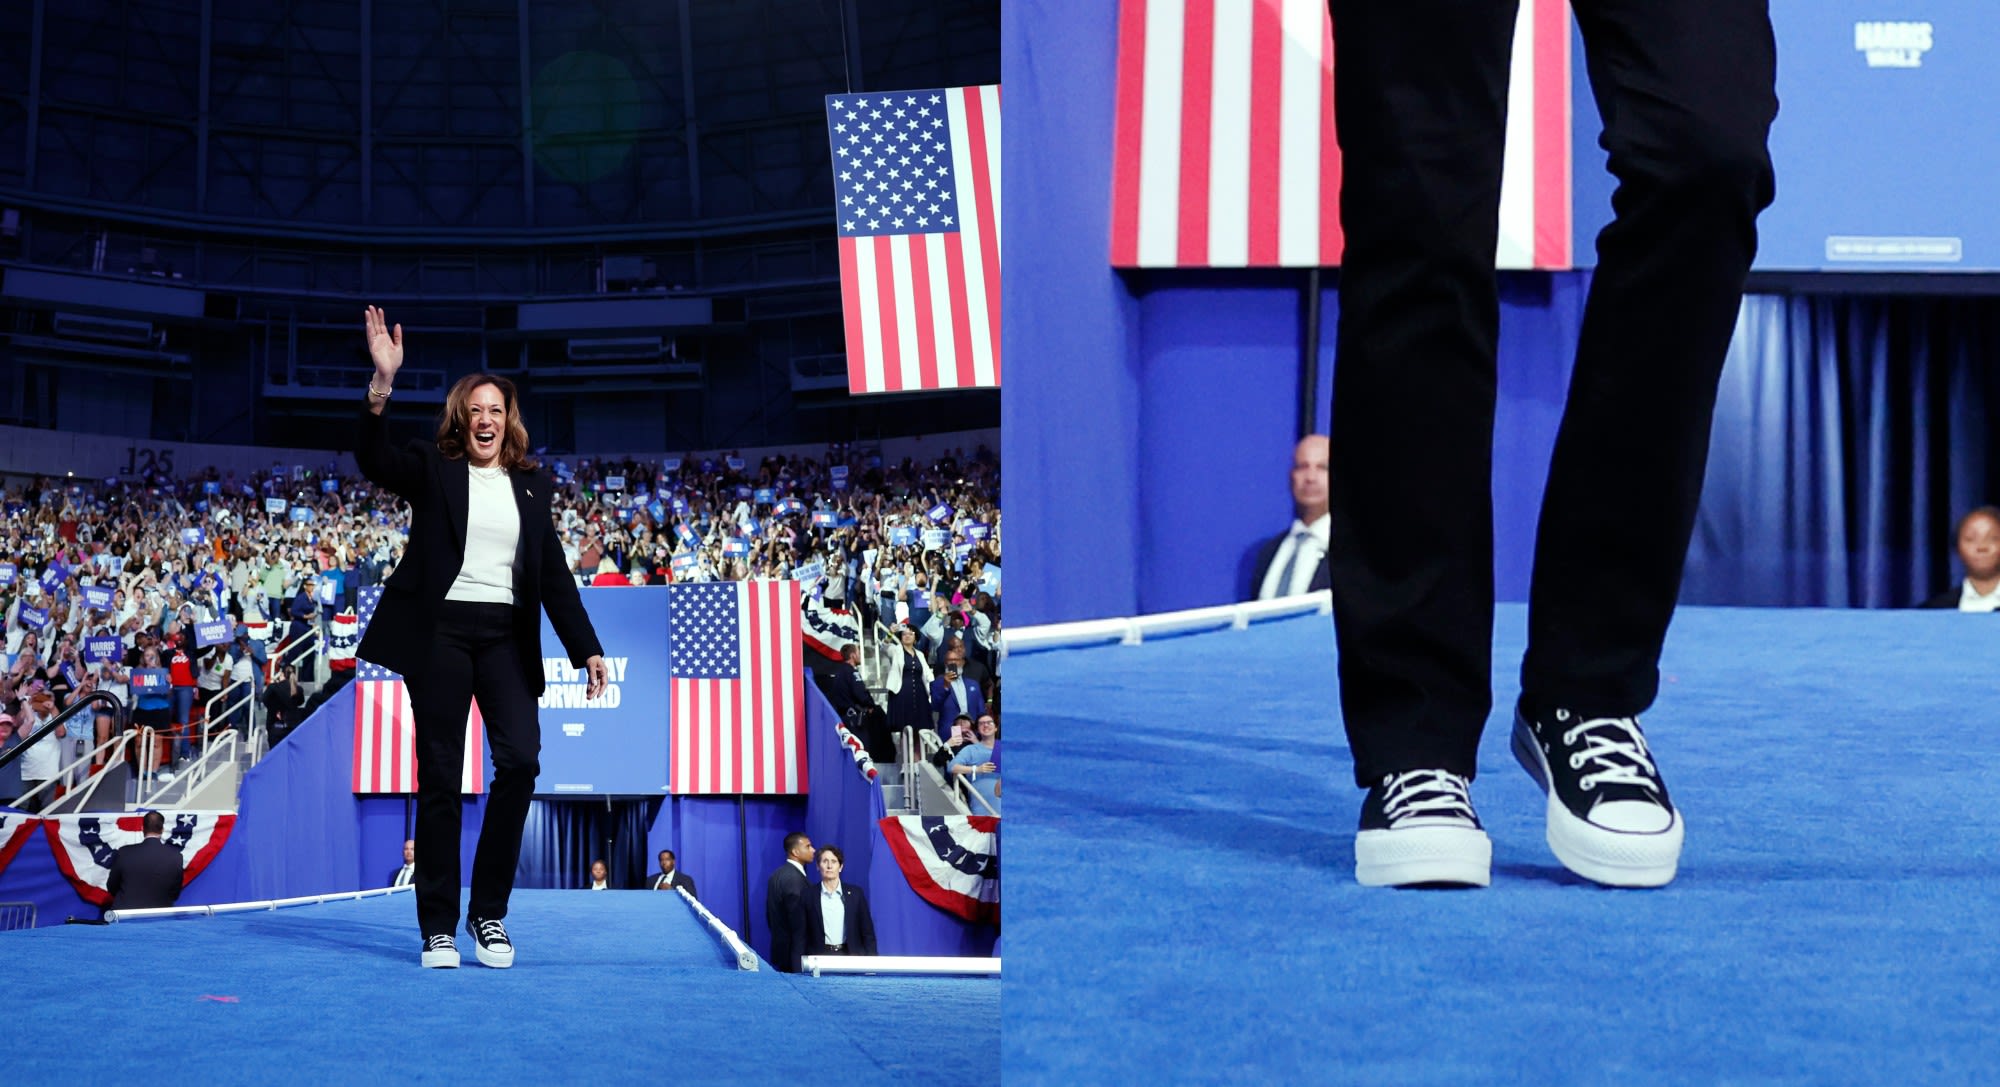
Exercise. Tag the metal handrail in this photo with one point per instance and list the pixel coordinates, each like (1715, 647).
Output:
(218, 752)
(86, 759)
(252, 726)
(53, 723)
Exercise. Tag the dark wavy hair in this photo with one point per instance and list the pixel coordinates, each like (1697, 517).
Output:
(457, 419)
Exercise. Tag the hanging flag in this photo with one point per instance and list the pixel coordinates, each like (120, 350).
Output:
(828, 630)
(385, 736)
(85, 845)
(736, 681)
(1225, 155)
(344, 633)
(951, 862)
(917, 210)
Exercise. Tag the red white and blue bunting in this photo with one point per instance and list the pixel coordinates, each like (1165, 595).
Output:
(856, 748)
(85, 844)
(952, 862)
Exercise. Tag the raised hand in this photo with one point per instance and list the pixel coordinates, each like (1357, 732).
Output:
(385, 346)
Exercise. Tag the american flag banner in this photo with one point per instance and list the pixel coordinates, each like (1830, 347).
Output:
(736, 683)
(385, 734)
(917, 210)
(1225, 154)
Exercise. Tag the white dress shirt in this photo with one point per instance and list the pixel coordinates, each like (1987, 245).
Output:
(833, 909)
(492, 532)
(1306, 541)
(1971, 599)
(405, 875)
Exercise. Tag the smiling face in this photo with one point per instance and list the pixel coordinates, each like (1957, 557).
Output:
(485, 426)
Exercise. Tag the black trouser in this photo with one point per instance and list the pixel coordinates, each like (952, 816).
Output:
(1686, 88)
(474, 654)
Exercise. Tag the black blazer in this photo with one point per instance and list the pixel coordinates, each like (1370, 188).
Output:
(1260, 564)
(675, 882)
(859, 931)
(145, 876)
(785, 916)
(397, 871)
(438, 489)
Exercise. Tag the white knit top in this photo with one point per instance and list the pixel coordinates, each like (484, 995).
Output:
(492, 535)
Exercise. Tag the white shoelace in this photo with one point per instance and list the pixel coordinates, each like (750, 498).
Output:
(1402, 800)
(490, 932)
(440, 943)
(1610, 739)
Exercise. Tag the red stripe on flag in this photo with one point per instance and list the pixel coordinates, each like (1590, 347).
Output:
(1551, 165)
(961, 308)
(850, 308)
(1131, 99)
(885, 305)
(753, 648)
(920, 291)
(1197, 104)
(982, 198)
(794, 729)
(360, 723)
(1331, 238)
(1267, 48)
(717, 691)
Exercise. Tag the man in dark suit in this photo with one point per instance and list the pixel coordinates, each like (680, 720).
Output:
(954, 693)
(670, 877)
(784, 903)
(1294, 561)
(407, 874)
(146, 875)
(854, 934)
(843, 686)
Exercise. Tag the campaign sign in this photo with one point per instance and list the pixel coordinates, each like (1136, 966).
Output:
(52, 579)
(275, 505)
(764, 496)
(811, 571)
(920, 602)
(735, 463)
(671, 464)
(658, 511)
(614, 483)
(791, 505)
(215, 633)
(329, 486)
(617, 744)
(34, 618)
(301, 515)
(751, 526)
(823, 518)
(838, 471)
(211, 487)
(193, 537)
(150, 679)
(903, 536)
(935, 538)
(201, 506)
(939, 513)
(8, 572)
(735, 546)
(743, 493)
(680, 504)
(840, 483)
(98, 597)
(684, 563)
(685, 534)
(97, 650)
(978, 532)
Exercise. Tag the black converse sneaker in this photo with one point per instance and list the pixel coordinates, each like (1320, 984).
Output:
(440, 953)
(490, 942)
(1609, 819)
(1419, 827)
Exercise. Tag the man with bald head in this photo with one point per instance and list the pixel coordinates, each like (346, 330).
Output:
(1294, 561)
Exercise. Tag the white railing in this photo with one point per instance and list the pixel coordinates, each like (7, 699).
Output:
(217, 752)
(115, 916)
(746, 959)
(309, 644)
(253, 718)
(117, 742)
(898, 964)
(1136, 629)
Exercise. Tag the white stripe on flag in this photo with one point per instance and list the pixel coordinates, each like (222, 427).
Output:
(865, 280)
(1298, 153)
(364, 739)
(1160, 135)
(1516, 248)
(935, 256)
(790, 672)
(766, 744)
(1229, 137)
(909, 353)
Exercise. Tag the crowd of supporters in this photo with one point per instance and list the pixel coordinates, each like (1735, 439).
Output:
(99, 578)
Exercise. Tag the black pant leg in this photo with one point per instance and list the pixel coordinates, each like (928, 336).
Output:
(1687, 90)
(1420, 90)
(440, 698)
(513, 730)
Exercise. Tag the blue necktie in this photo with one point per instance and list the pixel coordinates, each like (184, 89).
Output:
(1299, 539)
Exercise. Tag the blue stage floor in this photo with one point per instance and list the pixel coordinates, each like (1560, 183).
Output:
(616, 987)
(1183, 906)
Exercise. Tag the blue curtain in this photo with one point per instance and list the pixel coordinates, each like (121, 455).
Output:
(562, 837)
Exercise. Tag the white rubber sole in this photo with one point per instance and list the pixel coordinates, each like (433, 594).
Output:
(498, 960)
(1610, 857)
(1417, 855)
(440, 960)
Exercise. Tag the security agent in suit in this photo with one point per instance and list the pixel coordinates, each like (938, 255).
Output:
(785, 896)
(461, 617)
(1294, 561)
(855, 932)
(843, 686)
(146, 875)
(670, 877)
(407, 874)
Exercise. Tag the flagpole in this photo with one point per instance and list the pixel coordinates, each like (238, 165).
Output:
(743, 861)
(1309, 357)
